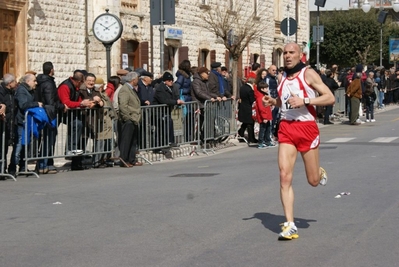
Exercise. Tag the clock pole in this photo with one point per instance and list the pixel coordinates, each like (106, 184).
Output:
(108, 57)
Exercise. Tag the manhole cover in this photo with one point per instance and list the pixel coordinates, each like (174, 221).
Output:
(194, 175)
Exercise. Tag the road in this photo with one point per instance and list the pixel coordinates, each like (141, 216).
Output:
(217, 210)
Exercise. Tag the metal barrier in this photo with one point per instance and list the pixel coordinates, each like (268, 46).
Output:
(339, 100)
(68, 135)
(4, 147)
(163, 126)
(218, 122)
(90, 132)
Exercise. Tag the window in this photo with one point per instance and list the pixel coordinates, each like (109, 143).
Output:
(203, 59)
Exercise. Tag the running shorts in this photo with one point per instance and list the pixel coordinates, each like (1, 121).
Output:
(304, 135)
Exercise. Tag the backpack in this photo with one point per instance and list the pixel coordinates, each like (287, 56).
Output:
(254, 110)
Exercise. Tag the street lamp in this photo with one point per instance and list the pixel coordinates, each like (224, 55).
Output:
(366, 8)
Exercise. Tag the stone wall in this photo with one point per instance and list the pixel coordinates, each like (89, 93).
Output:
(56, 33)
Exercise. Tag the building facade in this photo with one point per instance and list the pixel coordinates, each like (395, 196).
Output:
(35, 31)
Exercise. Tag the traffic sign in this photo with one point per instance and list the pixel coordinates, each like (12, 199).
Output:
(284, 26)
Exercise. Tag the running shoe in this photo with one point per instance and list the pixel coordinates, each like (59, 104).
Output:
(288, 231)
(323, 177)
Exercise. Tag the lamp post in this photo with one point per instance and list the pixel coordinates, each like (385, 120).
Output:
(366, 8)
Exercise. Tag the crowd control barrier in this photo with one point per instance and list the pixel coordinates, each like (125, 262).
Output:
(163, 126)
(4, 145)
(219, 122)
(77, 132)
(339, 105)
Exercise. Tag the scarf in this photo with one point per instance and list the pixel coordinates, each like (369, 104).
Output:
(220, 80)
(295, 69)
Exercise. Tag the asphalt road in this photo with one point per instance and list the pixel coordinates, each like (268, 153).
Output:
(217, 210)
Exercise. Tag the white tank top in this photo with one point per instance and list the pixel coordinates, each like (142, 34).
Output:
(299, 87)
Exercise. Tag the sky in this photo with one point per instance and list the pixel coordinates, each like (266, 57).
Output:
(330, 5)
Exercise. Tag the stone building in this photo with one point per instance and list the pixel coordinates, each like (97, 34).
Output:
(35, 31)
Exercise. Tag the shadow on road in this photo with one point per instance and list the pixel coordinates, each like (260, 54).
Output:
(272, 221)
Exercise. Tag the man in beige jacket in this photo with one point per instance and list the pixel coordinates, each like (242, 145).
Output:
(129, 117)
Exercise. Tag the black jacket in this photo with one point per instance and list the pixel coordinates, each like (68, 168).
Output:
(145, 93)
(247, 99)
(165, 95)
(47, 91)
(24, 99)
(7, 98)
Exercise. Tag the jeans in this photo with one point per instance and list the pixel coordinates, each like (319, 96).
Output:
(370, 111)
(18, 152)
(47, 149)
(264, 133)
(380, 99)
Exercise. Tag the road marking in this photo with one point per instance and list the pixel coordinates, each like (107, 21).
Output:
(383, 139)
(341, 140)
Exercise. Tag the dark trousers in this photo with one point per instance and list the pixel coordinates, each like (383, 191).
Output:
(250, 129)
(354, 113)
(128, 141)
(74, 140)
(18, 152)
(327, 113)
(275, 114)
(47, 147)
(4, 146)
(264, 133)
(370, 111)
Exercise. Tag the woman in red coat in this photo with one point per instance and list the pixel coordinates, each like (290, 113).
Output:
(263, 116)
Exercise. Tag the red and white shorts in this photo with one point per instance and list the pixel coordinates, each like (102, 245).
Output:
(304, 135)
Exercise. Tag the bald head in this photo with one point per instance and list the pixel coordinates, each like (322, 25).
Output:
(292, 55)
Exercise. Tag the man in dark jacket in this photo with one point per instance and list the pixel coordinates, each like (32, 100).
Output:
(7, 116)
(165, 94)
(271, 80)
(24, 100)
(46, 91)
(215, 82)
(332, 85)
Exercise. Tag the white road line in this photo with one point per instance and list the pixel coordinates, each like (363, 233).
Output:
(383, 140)
(341, 140)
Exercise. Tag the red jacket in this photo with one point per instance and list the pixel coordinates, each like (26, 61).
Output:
(262, 112)
(110, 91)
(64, 94)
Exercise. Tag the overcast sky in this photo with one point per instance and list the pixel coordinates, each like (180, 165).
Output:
(330, 5)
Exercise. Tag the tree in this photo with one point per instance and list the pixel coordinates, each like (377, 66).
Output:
(352, 36)
(236, 23)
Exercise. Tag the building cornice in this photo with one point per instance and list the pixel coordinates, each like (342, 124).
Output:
(15, 5)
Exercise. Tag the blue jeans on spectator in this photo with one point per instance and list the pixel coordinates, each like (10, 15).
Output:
(370, 111)
(380, 99)
(264, 133)
(47, 149)
(18, 152)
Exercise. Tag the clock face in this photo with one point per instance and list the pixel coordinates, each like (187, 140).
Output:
(107, 28)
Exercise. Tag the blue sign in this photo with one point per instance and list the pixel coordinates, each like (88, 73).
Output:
(173, 33)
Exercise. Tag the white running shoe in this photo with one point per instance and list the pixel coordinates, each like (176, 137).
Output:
(323, 177)
(288, 231)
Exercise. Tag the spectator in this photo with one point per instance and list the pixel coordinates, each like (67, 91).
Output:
(354, 92)
(46, 92)
(254, 71)
(129, 116)
(271, 81)
(7, 116)
(200, 93)
(112, 85)
(146, 91)
(183, 81)
(332, 85)
(245, 110)
(263, 116)
(227, 80)
(24, 99)
(215, 82)
(68, 92)
(164, 94)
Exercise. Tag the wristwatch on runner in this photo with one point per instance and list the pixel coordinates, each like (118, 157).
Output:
(306, 101)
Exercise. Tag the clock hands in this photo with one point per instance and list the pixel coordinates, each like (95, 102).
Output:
(105, 28)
